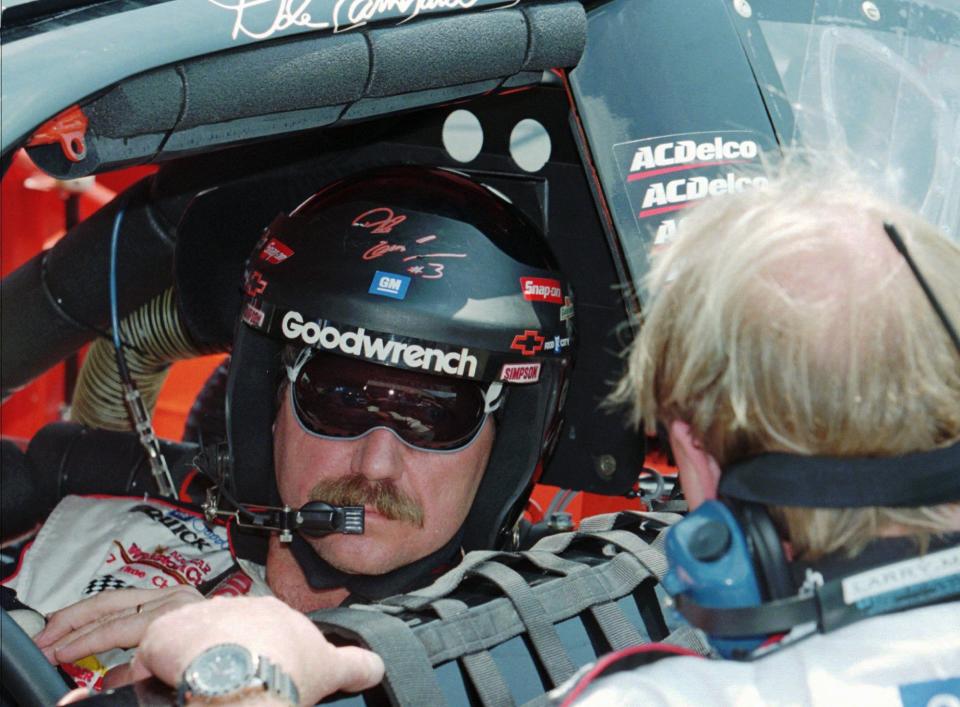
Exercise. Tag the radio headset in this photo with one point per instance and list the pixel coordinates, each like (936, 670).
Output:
(316, 518)
(728, 572)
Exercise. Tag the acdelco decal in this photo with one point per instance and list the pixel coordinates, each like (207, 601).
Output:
(275, 252)
(683, 152)
(679, 191)
(663, 175)
(361, 344)
(541, 289)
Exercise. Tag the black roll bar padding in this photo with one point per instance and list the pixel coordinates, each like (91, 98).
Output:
(20, 488)
(82, 460)
(58, 301)
(66, 458)
(34, 333)
(321, 79)
(38, 332)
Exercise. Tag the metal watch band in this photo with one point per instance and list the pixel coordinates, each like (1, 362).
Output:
(277, 682)
(266, 676)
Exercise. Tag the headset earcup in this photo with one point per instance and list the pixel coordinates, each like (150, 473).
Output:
(766, 549)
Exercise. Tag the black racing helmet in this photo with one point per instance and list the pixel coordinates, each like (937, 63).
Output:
(419, 269)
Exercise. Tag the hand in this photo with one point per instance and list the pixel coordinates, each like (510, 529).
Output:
(111, 619)
(265, 626)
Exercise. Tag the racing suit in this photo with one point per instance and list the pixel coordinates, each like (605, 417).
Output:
(910, 658)
(907, 658)
(93, 543)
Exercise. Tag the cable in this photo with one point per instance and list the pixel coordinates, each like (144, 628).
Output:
(901, 247)
(135, 407)
(560, 501)
(571, 494)
(553, 502)
(114, 309)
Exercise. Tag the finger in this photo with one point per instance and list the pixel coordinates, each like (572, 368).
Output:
(98, 624)
(124, 675)
(92, 612)
(86, 611)
(75, 695)
(95, 625)
(83, 612)
(119, 633)
(356, 669)
(124, 630)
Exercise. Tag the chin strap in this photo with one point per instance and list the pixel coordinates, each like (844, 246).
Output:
(320, 574)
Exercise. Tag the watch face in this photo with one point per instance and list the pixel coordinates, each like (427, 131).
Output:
(220, 670)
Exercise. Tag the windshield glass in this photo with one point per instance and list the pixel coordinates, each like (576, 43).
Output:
(676, 105)
(886, 92)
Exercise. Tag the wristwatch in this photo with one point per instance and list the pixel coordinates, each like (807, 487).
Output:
(227, 671)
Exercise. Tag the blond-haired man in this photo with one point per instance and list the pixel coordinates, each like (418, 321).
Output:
(809, 380)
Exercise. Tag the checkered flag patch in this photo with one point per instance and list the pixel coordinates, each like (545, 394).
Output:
(107, 581)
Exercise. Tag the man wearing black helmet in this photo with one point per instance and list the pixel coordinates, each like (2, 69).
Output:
(394, 304)
(403, 347)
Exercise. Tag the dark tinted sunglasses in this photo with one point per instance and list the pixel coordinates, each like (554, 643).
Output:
(341, 398)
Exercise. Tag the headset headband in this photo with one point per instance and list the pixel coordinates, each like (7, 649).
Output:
(916, 479)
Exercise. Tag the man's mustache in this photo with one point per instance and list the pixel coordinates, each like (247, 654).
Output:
(384, 496)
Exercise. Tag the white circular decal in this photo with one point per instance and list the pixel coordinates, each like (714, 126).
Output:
(462, 136)
(530, 145)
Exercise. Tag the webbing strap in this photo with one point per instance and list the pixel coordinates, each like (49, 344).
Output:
(561, 541)
(410, 679)
(553, 656)
(607, 521)
(480, 666)
(598, 524)
(684, 637)
(659, 543)
(616, 628)
(675, 506)
(497, 621)
(553, 563)
(445, 584)
(662, 516)
(544, 700)
(691, 638)
(651, 558)
(602, 523)
(555, 543)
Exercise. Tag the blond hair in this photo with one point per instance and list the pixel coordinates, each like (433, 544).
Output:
(783, 319)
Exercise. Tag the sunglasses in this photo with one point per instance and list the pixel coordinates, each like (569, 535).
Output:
(340, 398)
